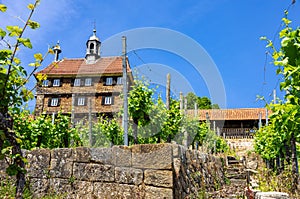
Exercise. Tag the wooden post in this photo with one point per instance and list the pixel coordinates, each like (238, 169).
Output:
(168, 88)
(90, 122)
(259, 120)
(125, 92)
(73, 111)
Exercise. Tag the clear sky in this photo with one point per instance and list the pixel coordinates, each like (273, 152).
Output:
(227, 30)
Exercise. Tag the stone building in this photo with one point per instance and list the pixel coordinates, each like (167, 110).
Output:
(77, 86)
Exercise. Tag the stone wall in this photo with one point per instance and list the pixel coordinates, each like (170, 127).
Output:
(140, 171)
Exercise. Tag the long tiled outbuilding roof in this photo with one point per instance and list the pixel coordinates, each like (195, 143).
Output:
(230, 114)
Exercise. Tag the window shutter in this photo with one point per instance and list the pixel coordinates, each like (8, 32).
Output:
(72, 82)
(112, 100)
(58, 102)
(85, 101)
(114, 81)
(104, 81)
(49, 102)
(92, 81)
(76, 101)
(103, 100)
(60, 82)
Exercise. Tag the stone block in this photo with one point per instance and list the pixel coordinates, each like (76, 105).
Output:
(82, 154)
(93, 172)
(159, 178)
(102, 155)
(122, 156)
(62, 187)
(271, 195)
(38, 163)
(115, 190)
(61, 163)
(178, 150)
(128, 175)
(152, 156)
(155, 192)
(82, 189)
(39, 187)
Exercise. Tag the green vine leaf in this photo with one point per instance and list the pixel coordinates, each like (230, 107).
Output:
(14, 31)
(26, 42)
(3, 8)
(30, 6)
(33, 24)
(2, 33)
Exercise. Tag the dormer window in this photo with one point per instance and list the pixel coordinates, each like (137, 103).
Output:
(77, 82)
(109, 81)
(56, 82)
(120, 80)
(88, 82)
(45, 83)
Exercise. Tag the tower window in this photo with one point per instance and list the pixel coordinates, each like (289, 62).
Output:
(56, 82)
(92, 48)
(77, 82)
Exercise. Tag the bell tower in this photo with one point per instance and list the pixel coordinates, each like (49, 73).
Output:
(92, 48)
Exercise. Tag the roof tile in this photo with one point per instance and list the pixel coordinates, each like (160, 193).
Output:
(104, 65)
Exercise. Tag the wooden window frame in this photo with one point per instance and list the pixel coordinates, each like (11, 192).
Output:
(56, 82)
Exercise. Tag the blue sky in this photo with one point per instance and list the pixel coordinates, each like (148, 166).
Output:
(228, 30)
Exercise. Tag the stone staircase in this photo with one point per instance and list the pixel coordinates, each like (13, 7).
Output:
(236, 181)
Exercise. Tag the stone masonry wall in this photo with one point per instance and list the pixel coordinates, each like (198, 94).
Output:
(139, 171)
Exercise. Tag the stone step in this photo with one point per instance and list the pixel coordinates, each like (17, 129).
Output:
(238, 181)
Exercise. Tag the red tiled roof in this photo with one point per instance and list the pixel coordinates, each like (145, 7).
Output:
(231, 114)
(104, 65)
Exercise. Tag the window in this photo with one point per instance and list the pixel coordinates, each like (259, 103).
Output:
(54, 102)
(88, 82)
(56, 82)
(77, 82)
(45, 82)
(81, 101)
(107, 100)
(120, 80)
(109, 81)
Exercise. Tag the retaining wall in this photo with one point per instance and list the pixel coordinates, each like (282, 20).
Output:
(139, 171)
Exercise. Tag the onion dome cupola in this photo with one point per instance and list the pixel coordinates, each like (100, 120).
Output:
(93, 48)
(57, 51)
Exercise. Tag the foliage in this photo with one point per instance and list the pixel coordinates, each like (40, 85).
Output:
(13, 92)
(202, 102)
(105, 132)
(278, 140)
(139, 105)
(7, 189)
(40, 132)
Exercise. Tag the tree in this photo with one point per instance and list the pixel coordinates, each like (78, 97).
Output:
(202, 102)
(13, 92)
(139, 105)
